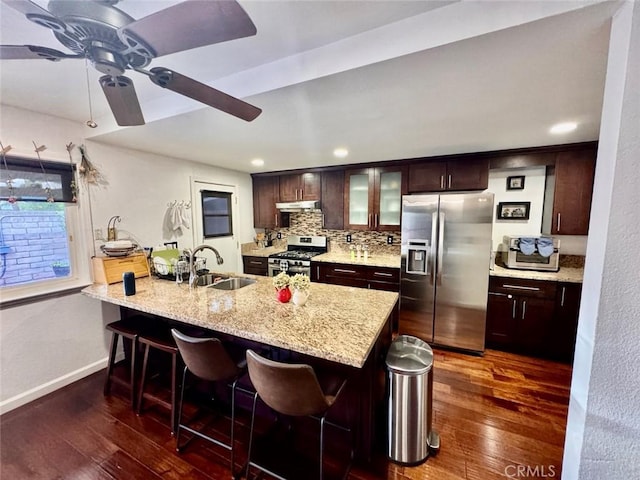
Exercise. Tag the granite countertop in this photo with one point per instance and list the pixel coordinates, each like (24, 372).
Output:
(565, 274)
(262, 252)
(374, 260)
(340, 324)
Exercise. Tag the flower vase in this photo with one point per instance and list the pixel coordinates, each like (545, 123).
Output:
(300, 297)
(283, 295)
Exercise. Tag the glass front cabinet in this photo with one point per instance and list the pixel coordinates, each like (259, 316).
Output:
(374, 198)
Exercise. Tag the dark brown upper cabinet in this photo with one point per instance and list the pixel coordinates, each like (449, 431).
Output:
(333, 199)
(449, 175)
(265, 196)
(300, 186)
(373, 198)
(574, 175)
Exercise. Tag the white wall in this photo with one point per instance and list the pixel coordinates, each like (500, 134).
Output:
(533, 192)
(140, 185)
(603, 428)
(47, 344)
(538, 189)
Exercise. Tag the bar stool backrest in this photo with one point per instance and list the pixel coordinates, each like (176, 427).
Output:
(205, 357)
(290, 389)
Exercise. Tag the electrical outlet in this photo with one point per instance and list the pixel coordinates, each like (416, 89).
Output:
(389, 239)
(98, 234)
(279, 236)
(348, 238)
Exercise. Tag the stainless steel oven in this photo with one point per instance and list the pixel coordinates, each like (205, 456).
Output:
(531, 253)
(297, 257)
(286, 265)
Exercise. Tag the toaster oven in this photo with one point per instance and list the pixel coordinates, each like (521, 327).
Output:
(531, 253)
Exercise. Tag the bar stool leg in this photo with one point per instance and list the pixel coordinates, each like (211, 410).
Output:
(174, 391)
(134, 348)
(143, 378)
(112, 358)
(253, 417)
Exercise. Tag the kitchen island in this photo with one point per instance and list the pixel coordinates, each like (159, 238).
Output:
(344, 328)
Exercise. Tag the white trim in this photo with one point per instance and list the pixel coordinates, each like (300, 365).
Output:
(51, 386)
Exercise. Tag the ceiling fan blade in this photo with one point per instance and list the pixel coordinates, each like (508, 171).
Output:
(203, 93)
(122, 98)
(27, 7)
(37, 14)
(21, 52)
(187, 25)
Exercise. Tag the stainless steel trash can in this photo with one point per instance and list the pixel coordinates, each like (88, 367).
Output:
(409, 363)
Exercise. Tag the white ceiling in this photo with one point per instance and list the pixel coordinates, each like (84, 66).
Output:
(385, 79)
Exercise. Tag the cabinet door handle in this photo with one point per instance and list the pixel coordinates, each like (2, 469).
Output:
(323, 221)
(252, 262)
(375, 220)
(275, 215)
(342, 270)
(449, 181)
(513, 310)
(524, 308)
(369, 221)
(301, 194)
(558, 224)
(441, 182)
(318, 272)
(562, 297)
(521, 287)
(383, 274)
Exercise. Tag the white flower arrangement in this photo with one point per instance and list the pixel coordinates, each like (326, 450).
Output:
(282, 280)
(300, 282)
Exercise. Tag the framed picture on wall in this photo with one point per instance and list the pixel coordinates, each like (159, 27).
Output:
(515, 182)
(513, 211)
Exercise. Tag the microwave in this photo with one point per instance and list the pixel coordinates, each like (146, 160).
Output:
(514, 257)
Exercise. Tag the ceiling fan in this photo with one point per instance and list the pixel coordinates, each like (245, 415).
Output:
(114, 42)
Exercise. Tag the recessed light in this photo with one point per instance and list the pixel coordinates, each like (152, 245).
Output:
(564, 127)
(257, 162)
(340, 152)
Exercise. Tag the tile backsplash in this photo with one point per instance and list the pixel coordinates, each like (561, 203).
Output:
(310, 223)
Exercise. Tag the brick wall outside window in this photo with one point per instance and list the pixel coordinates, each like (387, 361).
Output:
(33, 241)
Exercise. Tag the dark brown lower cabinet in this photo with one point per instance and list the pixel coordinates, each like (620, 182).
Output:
(565, 321)
(533, 317)
(255, 265)
(362, 276)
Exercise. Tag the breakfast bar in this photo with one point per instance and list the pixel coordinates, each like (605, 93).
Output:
(345, 328)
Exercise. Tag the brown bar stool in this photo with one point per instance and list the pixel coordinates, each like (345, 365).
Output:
(130, 329)
(160, 339)
(207, 359)
(293, 390)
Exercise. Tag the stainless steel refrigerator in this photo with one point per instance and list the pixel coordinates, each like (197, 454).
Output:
(446, 252)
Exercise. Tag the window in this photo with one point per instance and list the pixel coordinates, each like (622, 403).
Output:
(216, 214)
(35, 221)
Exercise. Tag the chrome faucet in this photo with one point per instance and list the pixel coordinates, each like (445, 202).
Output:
(192, 264)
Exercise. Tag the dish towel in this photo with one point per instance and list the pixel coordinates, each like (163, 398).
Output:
(527, 245)
(545, 246)
(172, 223)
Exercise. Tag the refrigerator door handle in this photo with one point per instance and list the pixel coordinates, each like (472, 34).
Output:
(440, 266)
(434, 229)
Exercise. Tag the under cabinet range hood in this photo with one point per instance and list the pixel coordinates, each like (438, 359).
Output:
(301, 206)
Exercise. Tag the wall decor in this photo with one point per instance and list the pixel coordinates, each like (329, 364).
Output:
(515, 182)
(513, 211)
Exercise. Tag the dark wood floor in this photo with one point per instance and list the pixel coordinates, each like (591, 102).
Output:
(492, 413)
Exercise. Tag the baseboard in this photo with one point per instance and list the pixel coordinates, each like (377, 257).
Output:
(55, 384)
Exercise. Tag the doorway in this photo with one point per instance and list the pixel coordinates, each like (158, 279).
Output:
(225, 243)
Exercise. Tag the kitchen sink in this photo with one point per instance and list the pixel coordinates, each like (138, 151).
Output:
(209, 279)
(233, 283)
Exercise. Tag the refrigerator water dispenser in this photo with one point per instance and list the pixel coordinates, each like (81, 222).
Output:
(417, 257)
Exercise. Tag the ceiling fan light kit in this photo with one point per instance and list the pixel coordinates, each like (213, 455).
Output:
(115, 42)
